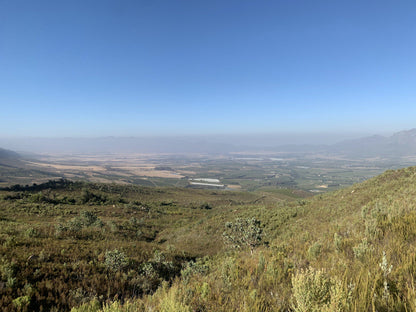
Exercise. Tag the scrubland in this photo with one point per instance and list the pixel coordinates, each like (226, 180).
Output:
(104, 247)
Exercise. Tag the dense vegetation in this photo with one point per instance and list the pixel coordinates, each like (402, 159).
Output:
(63, 243)
(93, 247)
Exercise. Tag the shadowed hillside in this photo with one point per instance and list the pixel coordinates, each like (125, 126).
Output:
(6, 154)
(15, 170)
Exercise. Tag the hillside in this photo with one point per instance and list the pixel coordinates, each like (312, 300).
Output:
(399, 144)
(16, 169)
(352, 250)
(7, 154)
(67, 244)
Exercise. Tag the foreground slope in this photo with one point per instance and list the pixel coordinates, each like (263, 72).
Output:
(68, 244)
(353, 250)
(63, 243)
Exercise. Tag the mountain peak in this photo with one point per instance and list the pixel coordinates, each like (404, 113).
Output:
(408, 133)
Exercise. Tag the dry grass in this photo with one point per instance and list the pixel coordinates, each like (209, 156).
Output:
(136, 165)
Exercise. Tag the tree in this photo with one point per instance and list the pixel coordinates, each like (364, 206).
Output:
(243, 233)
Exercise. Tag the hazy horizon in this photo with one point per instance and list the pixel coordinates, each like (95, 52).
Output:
(212, 143)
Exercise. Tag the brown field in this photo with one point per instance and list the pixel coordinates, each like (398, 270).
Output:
(97, 167)
(149, 171)
(67, 167)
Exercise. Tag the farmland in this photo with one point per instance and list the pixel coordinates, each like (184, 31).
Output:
(311, 173)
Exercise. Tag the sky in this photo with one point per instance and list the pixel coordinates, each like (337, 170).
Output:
(96, 68)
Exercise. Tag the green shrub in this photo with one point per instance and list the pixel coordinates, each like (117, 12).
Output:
(21, 302)
(314, 291)
(92, 306)
(87, 218)
(115, 260)
(243, 233)
(31, 233)
(60, 229)
(315, 250)
(113, 226)
(191, 268)
(362, 249)
(337, 242)
(7, 269)
(311, 290)
(11, 241)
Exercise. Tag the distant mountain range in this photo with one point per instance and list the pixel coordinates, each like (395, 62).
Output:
(398, 145)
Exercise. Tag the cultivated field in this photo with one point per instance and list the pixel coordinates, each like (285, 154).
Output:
(311, 173)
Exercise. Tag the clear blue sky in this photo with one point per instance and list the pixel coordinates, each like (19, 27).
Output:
(98, 68)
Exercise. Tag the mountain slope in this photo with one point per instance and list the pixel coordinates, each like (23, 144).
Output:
(15, 170)
(8, 155)
(399, 144)
(161, 249)
(352, 250)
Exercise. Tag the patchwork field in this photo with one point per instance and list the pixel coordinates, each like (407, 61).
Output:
(311, 173)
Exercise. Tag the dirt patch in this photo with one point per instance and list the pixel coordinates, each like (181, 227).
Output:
(234, 186)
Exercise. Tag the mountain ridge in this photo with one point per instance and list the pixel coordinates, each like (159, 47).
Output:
(8, 154)
(399, 144)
